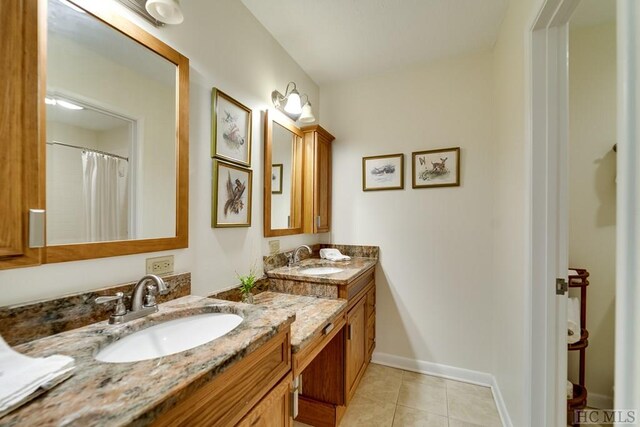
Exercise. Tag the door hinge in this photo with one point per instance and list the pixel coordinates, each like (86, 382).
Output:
(36, 228)
(561, 286)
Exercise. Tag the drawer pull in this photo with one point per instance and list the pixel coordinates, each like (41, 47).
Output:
(327, 329)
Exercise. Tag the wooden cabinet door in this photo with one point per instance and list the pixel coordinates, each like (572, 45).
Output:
(356, 343)
(20, 156)
(323, 184)
(274, 410)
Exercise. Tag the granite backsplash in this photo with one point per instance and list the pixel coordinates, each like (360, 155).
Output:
(278, 260)
(26, 322)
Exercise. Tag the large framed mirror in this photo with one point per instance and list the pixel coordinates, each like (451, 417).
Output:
(283, 152)
(116, 120)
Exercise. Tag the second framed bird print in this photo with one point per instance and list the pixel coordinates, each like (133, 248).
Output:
(231, 195)
(231, 129)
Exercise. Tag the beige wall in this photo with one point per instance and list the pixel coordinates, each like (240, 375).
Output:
(510, 331)
(229, 49)
(434, 278)
(592, 190)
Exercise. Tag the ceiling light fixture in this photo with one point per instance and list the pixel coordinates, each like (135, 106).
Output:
(291, 104)
(166, 11)
(63, 103)
(68, 105)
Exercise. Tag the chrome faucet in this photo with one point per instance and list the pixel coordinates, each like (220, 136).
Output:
(142, 303)
(294, 257)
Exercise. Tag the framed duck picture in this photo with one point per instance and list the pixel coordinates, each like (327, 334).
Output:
(383, 172)
(231, 129)
(231, 195)
(436, 168)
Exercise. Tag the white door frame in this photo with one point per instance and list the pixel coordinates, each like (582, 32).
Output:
(548, 141)
(627, 359)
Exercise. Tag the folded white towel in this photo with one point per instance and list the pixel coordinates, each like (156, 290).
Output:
(333, 255)
(569, 390)
(573, 320)
(23, 377)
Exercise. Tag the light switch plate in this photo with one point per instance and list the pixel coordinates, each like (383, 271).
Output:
(160, 265)
(274, 246)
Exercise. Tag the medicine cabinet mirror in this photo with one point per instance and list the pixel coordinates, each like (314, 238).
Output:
(116, 135)
(282, 176)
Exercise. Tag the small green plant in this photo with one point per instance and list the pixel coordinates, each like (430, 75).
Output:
(247, 283)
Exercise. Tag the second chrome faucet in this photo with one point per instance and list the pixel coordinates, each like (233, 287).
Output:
(294, 257)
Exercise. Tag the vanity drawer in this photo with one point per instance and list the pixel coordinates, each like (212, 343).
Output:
(371, 302)
(231, 395)
(371, 335)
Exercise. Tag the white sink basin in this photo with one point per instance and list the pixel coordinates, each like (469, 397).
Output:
(169, 337)
(317, 271)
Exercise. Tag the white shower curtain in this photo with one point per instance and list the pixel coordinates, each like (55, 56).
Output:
(104, 198)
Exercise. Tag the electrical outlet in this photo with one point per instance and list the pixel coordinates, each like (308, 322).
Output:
(160, 265)
(274, 246)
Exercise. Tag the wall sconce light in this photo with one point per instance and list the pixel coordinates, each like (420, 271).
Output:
(165, 11)
(291, 104)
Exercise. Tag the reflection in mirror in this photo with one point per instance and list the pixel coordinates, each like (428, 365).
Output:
(111, 133)
(281, 171)
(283, 152)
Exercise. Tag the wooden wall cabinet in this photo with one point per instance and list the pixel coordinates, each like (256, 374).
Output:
(317, 180)
(21, 183)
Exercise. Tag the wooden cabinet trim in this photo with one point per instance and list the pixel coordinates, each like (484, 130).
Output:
(21, 123)
(274, 409)
(302, 359)
(230, 396)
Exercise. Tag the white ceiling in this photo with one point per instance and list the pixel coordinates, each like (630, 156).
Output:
(341, 39)
(594, 12)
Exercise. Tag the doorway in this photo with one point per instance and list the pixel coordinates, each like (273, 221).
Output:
(549, 143)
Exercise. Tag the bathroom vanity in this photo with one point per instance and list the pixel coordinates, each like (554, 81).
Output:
(330, 379)
(246, 373)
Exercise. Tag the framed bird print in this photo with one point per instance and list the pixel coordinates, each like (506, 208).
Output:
(231, 129)
(276, 178)
(436, 168)
(231, 195)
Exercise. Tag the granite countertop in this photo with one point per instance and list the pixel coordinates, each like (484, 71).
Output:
(312, 314)
(352, 269)
(136, 393)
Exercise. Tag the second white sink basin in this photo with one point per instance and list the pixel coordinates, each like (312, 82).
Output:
(317, 271)
(170, 337)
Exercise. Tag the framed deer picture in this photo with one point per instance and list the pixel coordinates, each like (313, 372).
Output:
(436, 168)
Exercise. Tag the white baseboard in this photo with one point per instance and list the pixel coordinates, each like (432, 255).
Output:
(599, 401)
(448, 372)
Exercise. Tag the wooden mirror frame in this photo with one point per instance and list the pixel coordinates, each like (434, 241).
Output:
(271, 117)
(108, 14)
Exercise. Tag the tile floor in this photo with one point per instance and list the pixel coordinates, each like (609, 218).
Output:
(389, 397)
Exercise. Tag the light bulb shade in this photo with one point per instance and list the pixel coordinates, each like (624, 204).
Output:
(293, 105)
(166, 11)
(307, 114)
